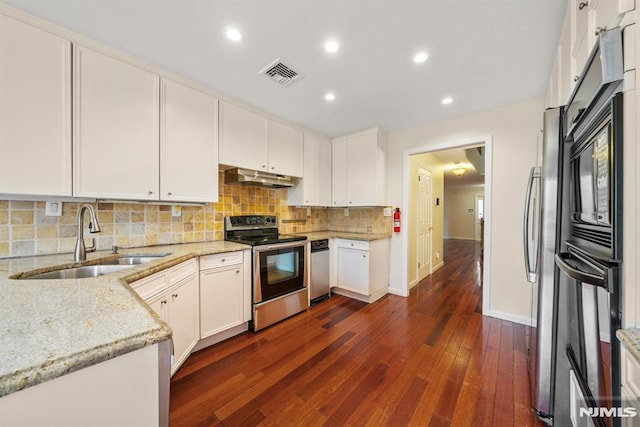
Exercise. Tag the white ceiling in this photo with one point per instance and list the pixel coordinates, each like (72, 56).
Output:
(449, 158)
(483, 53)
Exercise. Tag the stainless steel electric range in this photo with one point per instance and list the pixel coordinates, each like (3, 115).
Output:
(280, 287)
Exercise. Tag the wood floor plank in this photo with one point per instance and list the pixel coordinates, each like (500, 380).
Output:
(428, 359)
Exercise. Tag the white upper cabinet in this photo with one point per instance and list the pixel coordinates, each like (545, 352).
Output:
(252, 141)
(358, 173)
(243, 137)
(188, 144)
(35, 111)
(116, 128)
(315, 187)
(285, 149)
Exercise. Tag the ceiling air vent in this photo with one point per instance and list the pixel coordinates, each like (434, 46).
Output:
(281, 72)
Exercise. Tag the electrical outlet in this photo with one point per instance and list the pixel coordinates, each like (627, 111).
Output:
(437, 255)
(53, 209)
(386, 212)
(308, 211)
(176, 210)
(346, 211)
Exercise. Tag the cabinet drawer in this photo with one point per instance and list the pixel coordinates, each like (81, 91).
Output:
(182, 270)
(353, 244)
(630, 373)
(220, 260)
(151, 285)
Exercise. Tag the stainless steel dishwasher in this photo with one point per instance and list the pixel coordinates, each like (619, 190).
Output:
(319, 287)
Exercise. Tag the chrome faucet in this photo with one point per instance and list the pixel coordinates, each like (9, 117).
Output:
(81, 251)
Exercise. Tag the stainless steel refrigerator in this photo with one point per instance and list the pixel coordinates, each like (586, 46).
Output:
(541, 239)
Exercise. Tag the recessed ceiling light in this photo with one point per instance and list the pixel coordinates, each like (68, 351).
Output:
(420, 57)
(331, 46)
(330, 96)
(447, 100)
(233, 34)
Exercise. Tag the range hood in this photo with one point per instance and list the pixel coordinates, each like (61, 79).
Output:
(261, 179)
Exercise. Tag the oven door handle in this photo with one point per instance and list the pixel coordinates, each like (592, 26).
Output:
(577, 271)
(264, 248)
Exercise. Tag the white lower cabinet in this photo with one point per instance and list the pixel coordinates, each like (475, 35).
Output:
(173, 295)
(361, 269)
(222, 293)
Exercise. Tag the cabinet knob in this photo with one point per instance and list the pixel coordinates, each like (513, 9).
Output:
(223, 260)
(364, 256)
(583, 4)
(237, 271)
(174, 295)
(264, 166)
(169, 193)
(150, 192)
(576, 78)
(273, 167)
(350, 202)
(599, 30)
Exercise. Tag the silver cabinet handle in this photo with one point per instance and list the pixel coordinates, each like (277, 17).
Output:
(599, 30)
(174, 295)
(576, 78)
(163, 302)
(583, 4)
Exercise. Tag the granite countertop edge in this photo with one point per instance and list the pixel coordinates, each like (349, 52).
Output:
(31, 374)
(630, 338)
(328, 234)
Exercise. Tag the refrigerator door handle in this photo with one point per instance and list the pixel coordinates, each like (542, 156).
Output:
(530, 270)
(577, 272)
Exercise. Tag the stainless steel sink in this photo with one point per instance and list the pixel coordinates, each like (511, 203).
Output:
(134, 259)
(100, 269)
(82, 272)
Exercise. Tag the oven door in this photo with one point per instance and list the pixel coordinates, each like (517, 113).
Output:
(278, 269)
(588, 357)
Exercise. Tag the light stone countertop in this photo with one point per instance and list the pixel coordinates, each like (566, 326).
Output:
(630, 338)
(50, 328)
(368, 237)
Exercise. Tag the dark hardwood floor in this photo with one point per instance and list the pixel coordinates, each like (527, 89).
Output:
(429, 359)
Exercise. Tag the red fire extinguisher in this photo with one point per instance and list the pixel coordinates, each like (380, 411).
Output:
(396, 220)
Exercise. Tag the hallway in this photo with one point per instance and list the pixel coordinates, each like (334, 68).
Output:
(429, 359)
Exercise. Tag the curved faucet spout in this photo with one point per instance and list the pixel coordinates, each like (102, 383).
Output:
(81, 250)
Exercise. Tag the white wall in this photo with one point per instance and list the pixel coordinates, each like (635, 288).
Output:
(514, 130)
(460, 211)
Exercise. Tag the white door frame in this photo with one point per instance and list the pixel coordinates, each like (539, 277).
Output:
(476, 223)
(487, 140)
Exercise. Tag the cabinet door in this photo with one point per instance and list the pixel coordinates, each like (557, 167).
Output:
(243, 138)
(324, 172)
(183, 318)
(35, 111)
(188, 145)
(362, 157)
(353, 270)
(311, 182)
(339, 166)
(285, 150)
(116, 128)
(221, 299)
(159, 305)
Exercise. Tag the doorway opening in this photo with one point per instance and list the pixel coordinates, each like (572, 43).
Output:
(443, 204)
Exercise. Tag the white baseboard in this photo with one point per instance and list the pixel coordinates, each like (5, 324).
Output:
(461, 238)
(413, 283)
(397, 291)
(523, 320)
(437, 267)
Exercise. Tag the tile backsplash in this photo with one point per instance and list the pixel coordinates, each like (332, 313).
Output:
(25, 230)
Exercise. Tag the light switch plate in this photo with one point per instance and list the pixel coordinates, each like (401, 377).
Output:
(386, 212)
(53, 209)
(176, 210)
